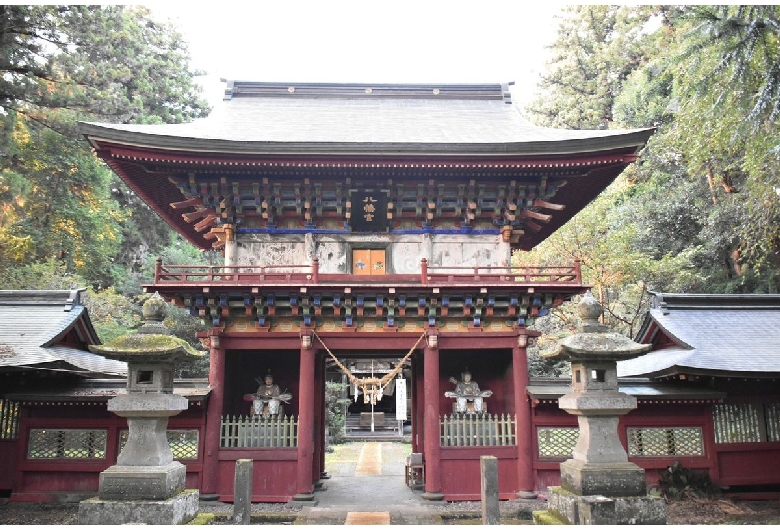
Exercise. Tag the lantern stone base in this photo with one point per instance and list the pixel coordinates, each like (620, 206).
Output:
(179, 509)
(623, 479)
(142, 482)
(567, 507)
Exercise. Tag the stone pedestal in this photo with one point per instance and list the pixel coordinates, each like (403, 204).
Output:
(179, 509)
(142, 482)
(600, 509)
(617, 479)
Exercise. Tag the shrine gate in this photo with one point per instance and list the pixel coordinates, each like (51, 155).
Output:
(365, 222)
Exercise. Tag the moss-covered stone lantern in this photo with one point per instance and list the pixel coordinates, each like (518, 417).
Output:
(598, 484)
(145, 469)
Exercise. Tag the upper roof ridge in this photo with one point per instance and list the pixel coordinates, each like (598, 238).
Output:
(669, 301)
(68, 298)
(244, 89)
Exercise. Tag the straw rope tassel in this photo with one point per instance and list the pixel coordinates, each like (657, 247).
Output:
(364, 383)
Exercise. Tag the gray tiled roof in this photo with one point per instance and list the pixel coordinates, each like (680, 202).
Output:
(338, 118)
(715, 335)
(33, 323)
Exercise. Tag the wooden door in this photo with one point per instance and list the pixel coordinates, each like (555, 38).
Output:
(368, 261)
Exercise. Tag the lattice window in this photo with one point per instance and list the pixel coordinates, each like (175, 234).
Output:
(772, 422)
(9, 420)
(556, 442)
(660, 441)
(183, 443)
(737, 422)
(66, 443)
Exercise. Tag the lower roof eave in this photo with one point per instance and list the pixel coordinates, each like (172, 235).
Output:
(684, 372)
(644, 389)
(100, 137)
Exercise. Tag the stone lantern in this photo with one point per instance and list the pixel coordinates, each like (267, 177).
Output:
(598, 484)
(146, 485)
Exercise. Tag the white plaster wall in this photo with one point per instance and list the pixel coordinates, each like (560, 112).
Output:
(405, 251)
(261, 250)
(469, 251)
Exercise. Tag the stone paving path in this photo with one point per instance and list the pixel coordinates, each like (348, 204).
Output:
(367, 486)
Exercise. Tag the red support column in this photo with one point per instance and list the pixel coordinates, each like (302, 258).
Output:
(304, 485)
(431, 402)
(525, 472)
(320, 420)
(213, 417)
(418, 401)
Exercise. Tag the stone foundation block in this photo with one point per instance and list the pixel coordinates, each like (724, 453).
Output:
(142, 482)
(611, 480)
(601, 510)
(179, 509)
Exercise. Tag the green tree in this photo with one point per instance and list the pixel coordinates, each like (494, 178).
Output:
(62, 207)
(699, 212)
(727, 73)
(61, 64)
(596, 48)
(112, 63)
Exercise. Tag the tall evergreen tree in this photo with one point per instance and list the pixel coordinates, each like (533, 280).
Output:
(61, 64)
(596, 48)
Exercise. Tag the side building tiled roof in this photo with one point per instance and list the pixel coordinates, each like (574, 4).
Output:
(709, 335)
(34, 324)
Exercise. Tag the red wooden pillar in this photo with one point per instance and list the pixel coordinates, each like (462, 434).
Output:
(525, 472)
(320, 420)
(431, 403)
(213, 417)
(23, 440)
(304, 485)
(418, 401)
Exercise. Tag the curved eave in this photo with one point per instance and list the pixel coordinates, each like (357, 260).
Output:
(595, 142)
(589, 165)
(83, 325)
(673, 372)
(653, 325)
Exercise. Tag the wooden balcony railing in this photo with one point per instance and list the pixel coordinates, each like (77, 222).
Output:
(238, 275)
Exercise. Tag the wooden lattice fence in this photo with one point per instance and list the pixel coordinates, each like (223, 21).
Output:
(468, 430)
(256, 431)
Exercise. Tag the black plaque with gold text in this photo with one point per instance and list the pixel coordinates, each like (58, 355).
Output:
(369, 211)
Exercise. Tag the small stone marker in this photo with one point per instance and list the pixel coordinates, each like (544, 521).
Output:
(242, 496)
(488, 466)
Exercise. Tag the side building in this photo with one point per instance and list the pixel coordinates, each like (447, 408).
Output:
(56, 434)
(707, 394)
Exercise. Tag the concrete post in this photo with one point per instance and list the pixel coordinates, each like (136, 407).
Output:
(488, 467)
(242, 492)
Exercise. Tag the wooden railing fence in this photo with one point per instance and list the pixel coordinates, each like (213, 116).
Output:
(466, 430)
(256, 431)
(310, 274)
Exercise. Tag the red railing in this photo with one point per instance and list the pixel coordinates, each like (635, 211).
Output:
(310, 275)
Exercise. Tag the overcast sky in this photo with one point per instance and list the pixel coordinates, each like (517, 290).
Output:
(401, 41)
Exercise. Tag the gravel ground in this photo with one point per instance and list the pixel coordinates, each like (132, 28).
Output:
(694, 511)
(342, 462)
